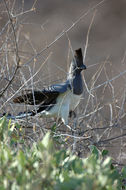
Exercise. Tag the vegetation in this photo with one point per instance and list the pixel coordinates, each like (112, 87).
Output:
(41, 166)
(29, 32)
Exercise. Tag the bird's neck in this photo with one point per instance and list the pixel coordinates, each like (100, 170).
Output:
(76, 82)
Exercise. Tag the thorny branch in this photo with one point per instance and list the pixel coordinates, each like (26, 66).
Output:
(48, 46)
(85, 50)
(16, 52)
(77, 136)
(110, 139)
(26, 81)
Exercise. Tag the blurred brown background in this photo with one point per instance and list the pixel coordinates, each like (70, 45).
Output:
(107, 35)
(107, 41)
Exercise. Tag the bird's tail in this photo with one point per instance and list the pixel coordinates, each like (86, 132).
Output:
(21, 115)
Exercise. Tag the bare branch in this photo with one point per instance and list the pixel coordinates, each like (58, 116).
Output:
(110, 139)
(16, 53)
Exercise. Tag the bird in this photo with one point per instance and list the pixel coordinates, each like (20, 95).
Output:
(57, 100)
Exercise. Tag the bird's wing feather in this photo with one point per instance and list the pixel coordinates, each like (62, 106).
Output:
(37, 97)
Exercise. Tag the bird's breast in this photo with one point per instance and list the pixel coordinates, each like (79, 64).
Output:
(75, 100)
(65, 102)
(69, 99)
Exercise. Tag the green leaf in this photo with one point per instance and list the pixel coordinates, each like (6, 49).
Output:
(123, 172)
(46, 140)
(21, 160)
(104, 152)
(107, 162)
(53, 128)
(94, 151)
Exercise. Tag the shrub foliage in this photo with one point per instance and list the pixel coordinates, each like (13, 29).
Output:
(41, 166)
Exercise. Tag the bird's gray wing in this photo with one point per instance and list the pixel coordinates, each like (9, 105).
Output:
(46, 95)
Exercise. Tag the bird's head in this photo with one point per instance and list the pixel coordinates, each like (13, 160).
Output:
(77, 64)
(78, 60)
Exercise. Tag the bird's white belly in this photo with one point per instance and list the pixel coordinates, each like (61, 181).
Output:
(65, 103)
(75, 100)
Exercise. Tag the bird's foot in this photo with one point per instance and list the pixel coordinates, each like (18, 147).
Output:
(72, 114)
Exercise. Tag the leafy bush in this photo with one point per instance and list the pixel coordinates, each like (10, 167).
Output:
(42, 167)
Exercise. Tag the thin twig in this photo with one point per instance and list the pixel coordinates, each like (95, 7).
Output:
(110, 80)
(26, 82)
(16, 53)
(85, 52)
(72, 136)
(87, 38)
(110, 139)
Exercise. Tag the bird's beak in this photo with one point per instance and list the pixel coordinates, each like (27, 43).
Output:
(83, 67)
